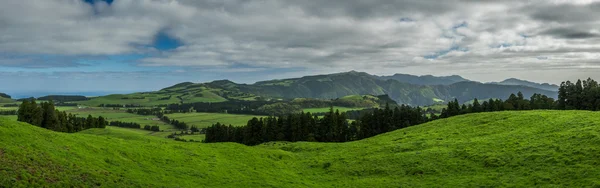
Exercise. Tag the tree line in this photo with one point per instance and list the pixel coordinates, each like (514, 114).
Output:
(581, 95)
(176, 123)
(134, 125)
(332, 127)
(8, 112)
(125, 124)
(514, 102)
(46, 116)
(119, 105)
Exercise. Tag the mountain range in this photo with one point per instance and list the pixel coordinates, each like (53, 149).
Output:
(404, 89)
(514, 81)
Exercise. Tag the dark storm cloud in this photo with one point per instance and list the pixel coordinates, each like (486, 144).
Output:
(568, 33)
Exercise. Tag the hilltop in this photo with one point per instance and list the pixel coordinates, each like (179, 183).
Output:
(514, 149)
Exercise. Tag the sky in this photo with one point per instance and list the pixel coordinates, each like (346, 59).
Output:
(121, 46)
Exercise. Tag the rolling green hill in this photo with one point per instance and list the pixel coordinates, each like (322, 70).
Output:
(503, 149)
(4, 98)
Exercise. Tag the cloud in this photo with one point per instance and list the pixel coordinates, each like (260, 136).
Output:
(380, 36)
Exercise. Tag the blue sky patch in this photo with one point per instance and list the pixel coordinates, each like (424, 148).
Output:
(437, 54)
(463, 24)
(94, 1)
(162, 41)
(406, 20)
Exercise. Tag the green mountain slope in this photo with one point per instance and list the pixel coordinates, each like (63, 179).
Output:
(514, 149)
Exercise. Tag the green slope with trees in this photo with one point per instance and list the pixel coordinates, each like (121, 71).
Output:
(497, 149)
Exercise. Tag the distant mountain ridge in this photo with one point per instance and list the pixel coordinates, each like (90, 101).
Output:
(359, 83)
(514, 81)
(404, 89)
(426, 79)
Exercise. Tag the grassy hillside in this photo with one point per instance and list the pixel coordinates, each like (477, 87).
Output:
(6, 100)
(515, 149)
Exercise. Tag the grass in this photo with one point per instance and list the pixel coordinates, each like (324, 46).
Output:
(202, 120)
(9, 117)
(341, 109)
(195, 137)
(500, 149)
(6, 100)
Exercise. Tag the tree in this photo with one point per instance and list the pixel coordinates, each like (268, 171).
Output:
(476, 106)
(50, 119)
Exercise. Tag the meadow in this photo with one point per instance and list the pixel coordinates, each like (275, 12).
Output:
(498, 149)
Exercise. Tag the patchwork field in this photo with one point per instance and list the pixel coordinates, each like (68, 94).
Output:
(500, 149)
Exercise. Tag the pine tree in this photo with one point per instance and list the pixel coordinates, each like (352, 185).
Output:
(476, 106)
(50, 119)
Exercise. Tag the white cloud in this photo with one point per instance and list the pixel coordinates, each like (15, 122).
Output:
(378, 36)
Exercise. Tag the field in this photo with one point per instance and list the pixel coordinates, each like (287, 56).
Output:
(500, 149)
(341, 109)
(6, 100)
(195, 137)
(202, 120)
(9, 117)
